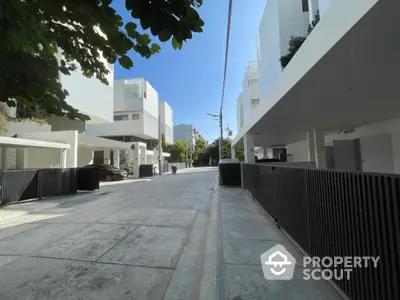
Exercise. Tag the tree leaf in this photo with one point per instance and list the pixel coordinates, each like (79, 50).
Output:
(125, 62)
(155, 48)
(143, 39)
(164, 35)
(131, 29)
(46, 39)
(175, 44)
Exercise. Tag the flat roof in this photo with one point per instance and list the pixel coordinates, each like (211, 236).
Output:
(28, 143)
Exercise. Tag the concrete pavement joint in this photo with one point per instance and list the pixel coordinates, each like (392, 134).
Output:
(209, 286)
(116, 244)
(176, 279)
(180, 252)
(39, 225)
(88, 261)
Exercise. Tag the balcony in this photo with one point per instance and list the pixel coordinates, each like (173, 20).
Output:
(144, 128)
(25, 125)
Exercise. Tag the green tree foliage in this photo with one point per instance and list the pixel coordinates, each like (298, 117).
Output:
(294, 45)
(200, 155)
(163, 142)
(297, 41)
(213, 152)
(41, 39)
(177, 151)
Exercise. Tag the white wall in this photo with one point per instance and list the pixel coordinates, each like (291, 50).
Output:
(269, 66)
(292, 21)
(300, 149)
(183, 132)
(132, 96)
(150, 103)
(117, 128)
(85, 157)
(150, 125)
(167, 122)
(323, 6)
(43, 158)
(128, 94)
(25, 127)
(89, 95)
(64, 123)
(240, 112)
(250, 90)
(281, 20)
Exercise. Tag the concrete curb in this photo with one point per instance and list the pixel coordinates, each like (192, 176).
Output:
(209, 286)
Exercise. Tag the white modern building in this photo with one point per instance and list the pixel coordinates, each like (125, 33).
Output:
(167, 121)
(89, 95)
(186, 133)
(336, 103)
(281, 20)
(60, 142)
(249, 98)
(135, 113)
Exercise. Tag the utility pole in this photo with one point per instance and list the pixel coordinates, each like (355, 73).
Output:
(187, 150)
(160, 150)
(228, 130)
(221, 131)
(221, 138)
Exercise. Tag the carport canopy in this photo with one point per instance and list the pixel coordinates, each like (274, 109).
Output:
(11, 142)
(94, 142)
(344, 76)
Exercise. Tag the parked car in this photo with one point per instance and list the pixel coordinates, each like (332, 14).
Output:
(108, 172)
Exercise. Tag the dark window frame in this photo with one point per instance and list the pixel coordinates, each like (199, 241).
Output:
(306, 7)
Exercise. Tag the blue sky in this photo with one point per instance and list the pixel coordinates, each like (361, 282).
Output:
(190, 80)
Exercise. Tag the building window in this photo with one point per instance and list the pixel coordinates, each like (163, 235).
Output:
(255, 101)
(252, 81)
(135, 116)
(305, 5)
(121, 117)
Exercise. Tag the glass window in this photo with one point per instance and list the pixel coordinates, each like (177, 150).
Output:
(121, 118)
(305, 5)
(135, 116)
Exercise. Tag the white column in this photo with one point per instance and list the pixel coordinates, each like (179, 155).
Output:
(142, 154)
(135, 159)
(107, 157)
(233, 153)
(313, 8)
(319, 147)
(72, 153)
(248, 140)
(22, 158)
(116, 158)
(311, 146)
(63, 158)
(268, 152)
(3, 158)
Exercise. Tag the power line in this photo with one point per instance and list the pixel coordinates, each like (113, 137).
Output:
(228, 32)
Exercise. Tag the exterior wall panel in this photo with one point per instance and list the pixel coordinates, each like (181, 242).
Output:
(89, 95)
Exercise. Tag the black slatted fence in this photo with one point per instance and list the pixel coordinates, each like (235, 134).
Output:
(337, 213)
(18, 185)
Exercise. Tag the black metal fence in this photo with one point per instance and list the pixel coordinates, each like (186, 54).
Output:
(18, 185)
(336, 213)
(146, 171)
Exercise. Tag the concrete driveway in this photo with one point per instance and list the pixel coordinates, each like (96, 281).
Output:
(142, 240)
(170, 238)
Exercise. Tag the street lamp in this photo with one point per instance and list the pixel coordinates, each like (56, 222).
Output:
(221, 137)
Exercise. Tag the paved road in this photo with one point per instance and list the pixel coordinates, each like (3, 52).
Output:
(173, 238)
